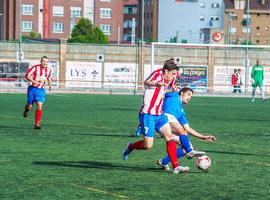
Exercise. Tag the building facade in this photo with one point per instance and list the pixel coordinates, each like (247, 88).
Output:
(247, 23)
(45, 18)
(109, 17)
(131, 21)
(189, 20)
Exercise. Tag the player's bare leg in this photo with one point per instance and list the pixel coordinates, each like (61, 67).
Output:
(27, 108)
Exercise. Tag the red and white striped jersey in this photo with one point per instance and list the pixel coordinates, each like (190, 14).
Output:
(40, 74)
(153, 96)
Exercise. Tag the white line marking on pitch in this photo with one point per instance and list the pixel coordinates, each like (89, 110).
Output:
(2, 161)
(58, 95)
(62, 123)
(7, 116)
(256, 163)
(103, 191)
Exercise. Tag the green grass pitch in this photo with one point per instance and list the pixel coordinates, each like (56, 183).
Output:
(77, 154)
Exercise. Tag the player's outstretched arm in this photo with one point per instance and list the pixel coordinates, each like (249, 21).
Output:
(210, 138)
(191, 131)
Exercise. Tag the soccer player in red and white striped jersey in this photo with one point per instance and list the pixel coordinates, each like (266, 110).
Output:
(37, 75)
(151, 116)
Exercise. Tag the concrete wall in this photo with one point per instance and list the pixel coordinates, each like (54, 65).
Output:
(228, 58)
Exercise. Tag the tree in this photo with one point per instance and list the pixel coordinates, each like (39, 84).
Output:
(85, 32)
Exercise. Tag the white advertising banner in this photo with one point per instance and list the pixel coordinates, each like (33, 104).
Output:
(266, 81)
(222, 78)
(83, 74)
(120, 75)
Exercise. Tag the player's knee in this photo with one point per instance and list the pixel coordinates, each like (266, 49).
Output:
(184, 133)
(148, 146)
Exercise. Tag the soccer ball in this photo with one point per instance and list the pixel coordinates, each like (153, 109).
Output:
(203, 162)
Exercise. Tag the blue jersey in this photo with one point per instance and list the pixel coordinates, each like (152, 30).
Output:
(173, 105)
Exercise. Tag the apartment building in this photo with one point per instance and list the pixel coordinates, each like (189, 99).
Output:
(150, 22)
(242, 24)
(190, 21)
(48, 18)
(131, 21)
(109, 17)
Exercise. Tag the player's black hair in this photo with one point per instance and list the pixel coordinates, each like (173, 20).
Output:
(170, 65)
(43, 57)
(185, 89)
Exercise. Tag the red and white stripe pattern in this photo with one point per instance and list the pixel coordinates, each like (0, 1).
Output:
(39, 74)
(153, 96)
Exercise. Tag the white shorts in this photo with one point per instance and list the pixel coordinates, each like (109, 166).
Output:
(171, 118)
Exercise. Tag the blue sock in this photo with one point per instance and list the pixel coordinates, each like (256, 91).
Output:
(180, 154)
(185, 142)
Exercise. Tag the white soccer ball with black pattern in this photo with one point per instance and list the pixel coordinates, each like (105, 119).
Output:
(203, 162)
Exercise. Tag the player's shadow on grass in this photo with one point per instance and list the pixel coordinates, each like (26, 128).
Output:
(103, 134)
(234, 153)
(123, 109)
(98, 165)
(4, 129)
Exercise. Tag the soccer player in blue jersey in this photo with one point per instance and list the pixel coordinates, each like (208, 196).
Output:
(173, 108)
(152, 117)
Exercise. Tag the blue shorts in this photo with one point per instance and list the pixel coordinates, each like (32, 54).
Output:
(35, 95)
(150, 123)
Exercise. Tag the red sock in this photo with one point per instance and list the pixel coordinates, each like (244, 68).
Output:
(171, 150)
(137, 145)
(38, 116)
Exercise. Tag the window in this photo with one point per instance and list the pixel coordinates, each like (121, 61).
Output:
(246, 30)
(214, 18)
(234, 16)
(202, 18)
(202, 4)
(215, 5)
(258, 28)
(130, 10)
(258, 14)
(58, 11)
(105, 0)
(127, 23)
(58, 27)
(266, 28)
(257, 41)
(27, 26)
(105, 13)
(236, 4)
(246, 16)
(75, 12)
(233, 30)
(106, 29)
(27, 9)
(242, 4)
